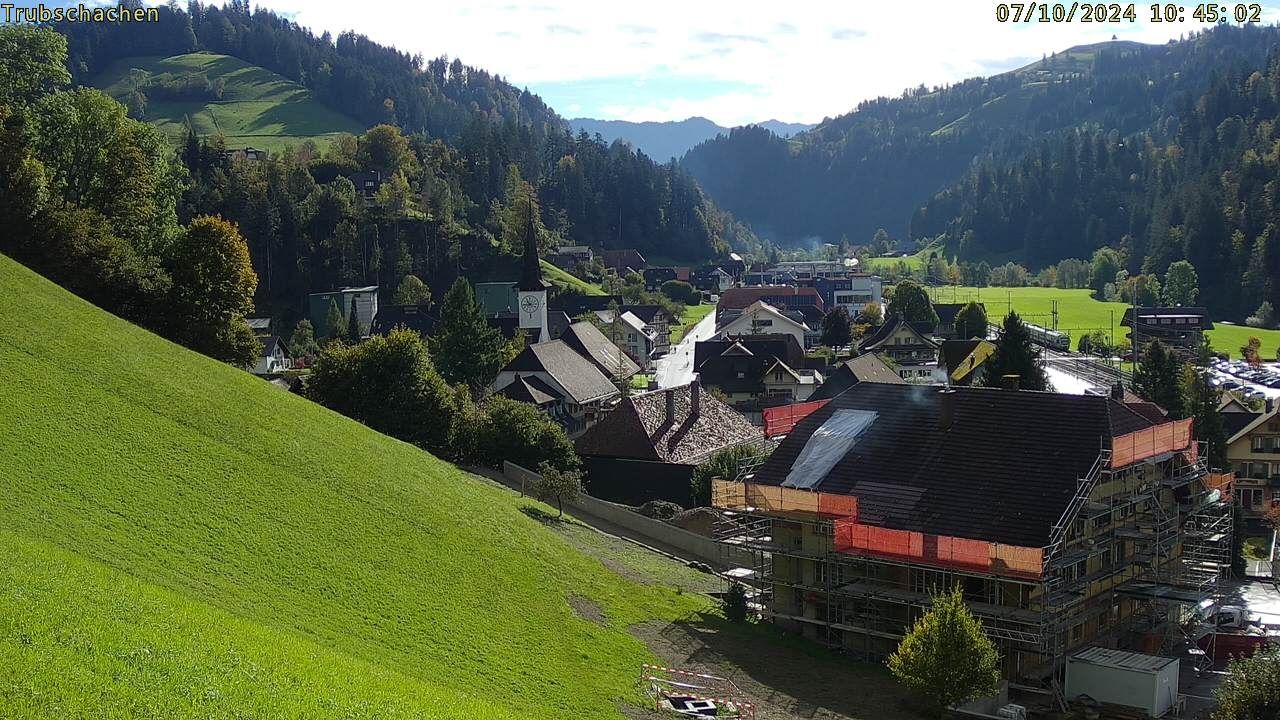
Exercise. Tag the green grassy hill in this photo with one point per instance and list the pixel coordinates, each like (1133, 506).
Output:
(564, 280)
(183, 539)
(258, 107)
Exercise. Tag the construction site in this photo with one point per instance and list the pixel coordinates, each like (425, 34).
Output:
(1140, 541)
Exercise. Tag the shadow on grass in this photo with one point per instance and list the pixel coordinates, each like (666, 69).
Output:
(542, 516)
(793, 675)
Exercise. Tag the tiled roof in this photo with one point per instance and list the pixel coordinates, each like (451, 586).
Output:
(530, 389)
(963, 357)
(594, 346)
(1234, 422)
(641, 428)
(885, 331)
(778, 295)
(581, 380)
(1003, 470)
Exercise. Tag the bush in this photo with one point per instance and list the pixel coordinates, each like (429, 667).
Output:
(509, 430)
(946, 658)
(724, 464)
(1252, 688)
(735, 603)
(681, 291)
(659, 509)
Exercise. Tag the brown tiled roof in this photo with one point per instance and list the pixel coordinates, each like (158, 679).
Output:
(738, 298)
(1003, 470)
(582, 381)
(864, 368)
(640, 428)
(531, 390)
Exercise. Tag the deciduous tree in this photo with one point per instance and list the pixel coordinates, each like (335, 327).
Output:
(946, 658)
(1181, 284)
(1251, 690)
(212, 292)
(412, 291)
(971, 322)
(837, 328)
(911, 302)
(558, 485)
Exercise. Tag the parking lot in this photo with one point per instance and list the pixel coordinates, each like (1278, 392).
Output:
(1248, 381)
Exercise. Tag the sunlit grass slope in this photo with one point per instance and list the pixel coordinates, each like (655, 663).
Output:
(182, 539)
(258, 108)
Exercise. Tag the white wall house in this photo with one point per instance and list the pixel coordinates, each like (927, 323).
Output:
(761, 318)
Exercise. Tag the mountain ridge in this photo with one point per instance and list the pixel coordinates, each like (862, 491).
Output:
(665, 139)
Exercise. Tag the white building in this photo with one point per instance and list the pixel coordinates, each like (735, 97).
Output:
(761, 318)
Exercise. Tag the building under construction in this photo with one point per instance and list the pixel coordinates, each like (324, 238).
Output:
(1068, 520)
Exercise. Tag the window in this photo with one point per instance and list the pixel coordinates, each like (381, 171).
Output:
(1249, 497)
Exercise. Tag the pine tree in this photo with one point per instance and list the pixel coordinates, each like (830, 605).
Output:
(1202, 401)
(464, 347)
(1017, 355)
(946, 658)
(353, 333)
(1158, 378)
(836, 332)
(334, 323)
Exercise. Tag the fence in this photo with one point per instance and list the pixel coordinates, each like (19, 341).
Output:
(939, 550)
(781, 420)
(772, 498)
(691, 546)
(1164, 438)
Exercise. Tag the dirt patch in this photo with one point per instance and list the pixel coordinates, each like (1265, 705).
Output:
(784, 677)
(588, 609)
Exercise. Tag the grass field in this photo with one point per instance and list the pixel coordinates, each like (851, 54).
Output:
(563, 279)
(183, 539)
(259, 108)
(692, 315)
(1079, 312)
(915, 261)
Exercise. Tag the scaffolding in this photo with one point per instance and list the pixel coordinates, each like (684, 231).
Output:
(1148, 506)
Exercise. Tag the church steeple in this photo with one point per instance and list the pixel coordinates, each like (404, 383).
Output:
(531, 271)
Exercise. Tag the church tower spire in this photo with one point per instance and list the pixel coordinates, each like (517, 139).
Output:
(532, 288)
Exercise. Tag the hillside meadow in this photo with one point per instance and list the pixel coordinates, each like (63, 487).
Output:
(183, 539)
(258, 108)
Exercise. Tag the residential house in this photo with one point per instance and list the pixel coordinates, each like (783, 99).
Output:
(1179, 327)
(864, 368)
(807, 271)
(712, 280)
(962, 360)
(735, 266)
(649, 446)
(639, 340)
(852, 292)
(1253, 450)
(369, 182)
(655, 277)
(734, 300)
(761, 318)
(274, 357)
(612, 360)
(363, 299)
(624, 260)
(912, 351)
(1235, 414)
(946, 327)
(250, 154)
(580, 393)
(419, 318)
(737, 367)
(577, 253)
(784, 385)
(1066, 521)
(657, 322)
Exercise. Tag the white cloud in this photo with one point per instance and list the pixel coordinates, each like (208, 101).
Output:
(799, 66)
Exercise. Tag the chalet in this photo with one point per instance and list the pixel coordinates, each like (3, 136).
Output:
(623, 260)
(648, 447)
(1253, 450)
(639, 340)
(1179, 327)
(657, 322)
(369, 182)
(784, 385)
(712, 280)
(737, 367)
(576, 253)
(363, 299)
(274, 357)
(912, 351)
(569, 388)
(864, 368)
(734, 266)
(1066, 521)
(655, 277)
(761, 318)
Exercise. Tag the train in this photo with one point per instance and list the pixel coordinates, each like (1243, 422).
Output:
(1052, 339)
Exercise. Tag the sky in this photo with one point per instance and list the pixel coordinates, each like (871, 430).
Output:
(734, 62)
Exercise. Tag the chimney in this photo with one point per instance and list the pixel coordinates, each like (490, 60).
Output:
(671, 405)
(946, 408)
(695, 398)
(1010, 382)
(1117, 392)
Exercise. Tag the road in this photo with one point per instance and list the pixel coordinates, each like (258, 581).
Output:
(676, 367)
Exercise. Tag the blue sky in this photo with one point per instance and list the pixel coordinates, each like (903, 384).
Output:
(731, 61)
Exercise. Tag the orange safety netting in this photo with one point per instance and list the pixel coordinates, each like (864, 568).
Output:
(750, 496)
(1222, 482)
(940, 550)
(781, 420)
(1143, 444)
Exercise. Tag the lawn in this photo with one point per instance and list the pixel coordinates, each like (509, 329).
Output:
(183, 539)
(915, 261)
(565, 280)
(259, 108)
(1079, 312)
(693, 314)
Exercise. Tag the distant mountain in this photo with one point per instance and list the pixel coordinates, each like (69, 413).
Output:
(664, 140)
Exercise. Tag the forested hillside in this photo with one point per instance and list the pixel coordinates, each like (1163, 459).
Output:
(469, 145)
(875, 166)
(671, 139)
